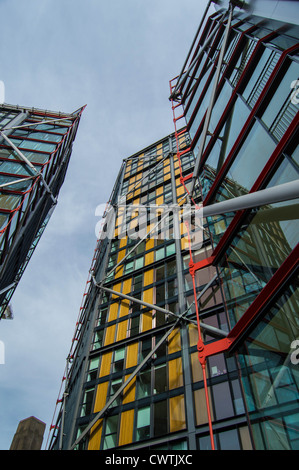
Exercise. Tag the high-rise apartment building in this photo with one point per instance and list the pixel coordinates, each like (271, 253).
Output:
(35, 149)
(187, 336)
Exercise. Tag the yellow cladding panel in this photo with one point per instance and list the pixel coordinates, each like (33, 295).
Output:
(132, 355)
(159, 201)
(174, 341)
(101, 397)
(119, 272)
(185, 243)
(159, 150)
(180, 191)
(148, 295)
(127, 286)
(123, 243)
(126, 427)
(133, 224)
(184, 230)
(148, 277)
(110, 335)
(113, 310)
(150, 257)
(175, 370)
(95, 436)
(147, 317)
(106, 364)
(135, 202)
(122, 330)
(121, 255)
(177, 413)
(124, 308)
(117, 288)
(147, 321)
(129, 391)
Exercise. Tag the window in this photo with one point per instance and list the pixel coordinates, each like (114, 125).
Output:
(160, 379)
(229, 440)
(110, 439)
(114, 386)
(281, 95)
(98, 339)
(102, 316)
(250, 160)
(222, 401)
(144, 384)
(134, 325)
(87, 402)
(119, 360)
(143, 423)
(93, 368)
(160, 418)
(231, 129)
(135, 264)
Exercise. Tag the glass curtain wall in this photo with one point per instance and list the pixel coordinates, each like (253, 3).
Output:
(251, 144)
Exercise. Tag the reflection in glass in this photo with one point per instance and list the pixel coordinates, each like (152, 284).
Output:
(257, 252)
(270, 375)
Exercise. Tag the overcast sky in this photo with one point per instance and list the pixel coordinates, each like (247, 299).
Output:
(117, 57)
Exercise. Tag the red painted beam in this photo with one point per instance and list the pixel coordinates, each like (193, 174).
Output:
(200, 264)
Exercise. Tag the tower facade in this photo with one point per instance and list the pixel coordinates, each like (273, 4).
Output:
(187, 334)
(35, 149)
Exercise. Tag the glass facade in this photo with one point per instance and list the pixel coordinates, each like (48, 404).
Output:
(188, 330)
(34, 154)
